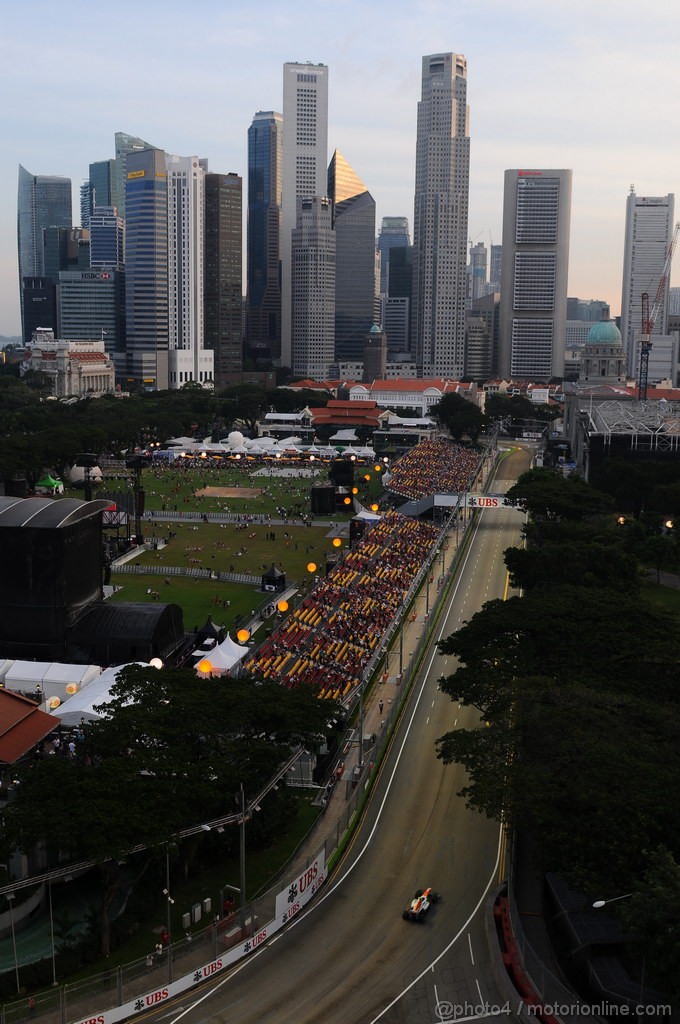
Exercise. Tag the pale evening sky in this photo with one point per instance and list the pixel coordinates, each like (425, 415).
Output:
(590, 85)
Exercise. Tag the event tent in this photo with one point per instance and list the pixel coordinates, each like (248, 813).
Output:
(80, 707)
(223, 658)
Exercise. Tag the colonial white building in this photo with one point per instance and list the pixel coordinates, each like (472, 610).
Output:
(74, 368)
(413, 395)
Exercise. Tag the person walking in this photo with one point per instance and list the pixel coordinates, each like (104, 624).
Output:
(380, 706)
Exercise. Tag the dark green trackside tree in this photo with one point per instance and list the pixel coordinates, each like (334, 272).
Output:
(578, 694)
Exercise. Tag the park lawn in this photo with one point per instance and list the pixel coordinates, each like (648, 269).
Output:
(196, 598)
(176, 489)
(291, 550)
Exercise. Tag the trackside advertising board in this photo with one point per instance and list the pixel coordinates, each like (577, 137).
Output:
(289, 902)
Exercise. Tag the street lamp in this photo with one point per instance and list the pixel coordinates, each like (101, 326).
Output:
(602, 903)
(242, 864)
(170, 901)
(10, 897)
(597, 905)
(54, 966)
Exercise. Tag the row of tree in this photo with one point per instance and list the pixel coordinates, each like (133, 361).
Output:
(38, 434)
(576, 685)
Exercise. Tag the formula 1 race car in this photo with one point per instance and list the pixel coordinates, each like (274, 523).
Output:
(420, 904)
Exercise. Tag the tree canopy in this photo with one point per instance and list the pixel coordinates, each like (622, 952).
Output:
(576, 684)
(459, 416)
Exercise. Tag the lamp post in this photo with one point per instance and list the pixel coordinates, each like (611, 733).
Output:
(170, 902)
(54, 964)
(597, 905)
(242, 864)
(10, 897)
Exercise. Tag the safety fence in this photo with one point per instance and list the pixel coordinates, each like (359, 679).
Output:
(179, 570)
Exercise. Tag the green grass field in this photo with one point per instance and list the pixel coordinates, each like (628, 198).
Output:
(174, 489)
(292, 550)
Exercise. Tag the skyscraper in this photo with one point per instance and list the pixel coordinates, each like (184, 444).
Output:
(649, 231)
(355, 273)
(393, 232)
(106, 238)
(188, 359)
(441, 216)
(305, 154)
(313, 292)
(43, 201)
(265, 176)
(223, 300)
(495, 265)
(536, 220)
(124, 144)
(146, 266)
(477, 271)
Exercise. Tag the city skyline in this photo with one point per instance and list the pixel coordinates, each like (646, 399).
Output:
(544, 91)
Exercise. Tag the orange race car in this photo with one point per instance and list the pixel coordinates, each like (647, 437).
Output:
(420, 904)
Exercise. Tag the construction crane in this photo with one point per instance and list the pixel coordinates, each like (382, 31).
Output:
(649, 318)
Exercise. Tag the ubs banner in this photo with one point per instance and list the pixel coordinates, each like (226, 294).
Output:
(289, 902)
(300, 891)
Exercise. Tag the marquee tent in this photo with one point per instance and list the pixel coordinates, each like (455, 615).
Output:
(80, 707)
(223, 658)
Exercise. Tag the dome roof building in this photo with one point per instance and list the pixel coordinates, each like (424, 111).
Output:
(603, 360)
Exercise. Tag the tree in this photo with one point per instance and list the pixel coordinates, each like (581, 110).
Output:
(553, 496)
(653, 914)
(459, 416)
(169, 752)
(597, 558)
(243, 404)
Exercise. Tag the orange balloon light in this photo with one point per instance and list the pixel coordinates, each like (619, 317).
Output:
(72, 688)
(337, 542)
(355, 490)
(311, 567)
(243, 635)
(204, 665)
(367, 476)
(377, 468)
(348, 501)
(53, 702)
(374, 508)
(282, 606)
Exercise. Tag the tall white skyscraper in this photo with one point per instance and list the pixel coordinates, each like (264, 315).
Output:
(533, 312)
(188, 359)
(441, 216)
(305, 159)
(649, 230)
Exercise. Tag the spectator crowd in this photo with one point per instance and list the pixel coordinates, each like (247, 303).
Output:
(438, 466)
(330, 638)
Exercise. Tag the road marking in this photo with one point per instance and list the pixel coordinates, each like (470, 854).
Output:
(470, 947)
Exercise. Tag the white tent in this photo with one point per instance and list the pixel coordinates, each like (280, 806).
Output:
(59, 680)
(5, 666)
(26, 675)
(223, 658)
(80, 707)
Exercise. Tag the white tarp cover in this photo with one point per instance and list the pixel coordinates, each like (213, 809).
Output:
(80, 707)
(26, 675)
(5, 666)
(223, 657)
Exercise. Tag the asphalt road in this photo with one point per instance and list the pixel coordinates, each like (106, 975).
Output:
(351, 959)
